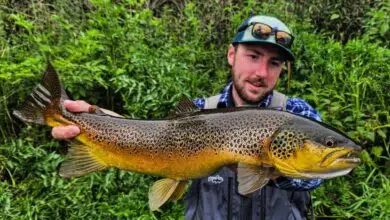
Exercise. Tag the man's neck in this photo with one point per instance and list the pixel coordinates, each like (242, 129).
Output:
(237, 100)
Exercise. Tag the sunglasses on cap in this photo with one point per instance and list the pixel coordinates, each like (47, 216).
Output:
(264, 31)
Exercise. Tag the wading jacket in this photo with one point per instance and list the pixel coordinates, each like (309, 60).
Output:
(216, 197)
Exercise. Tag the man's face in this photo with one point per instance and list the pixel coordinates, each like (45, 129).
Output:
(255, 69)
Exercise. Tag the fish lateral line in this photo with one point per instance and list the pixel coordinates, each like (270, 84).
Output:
(196, 143)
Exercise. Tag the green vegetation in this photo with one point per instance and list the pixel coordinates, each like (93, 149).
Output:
(139, 57)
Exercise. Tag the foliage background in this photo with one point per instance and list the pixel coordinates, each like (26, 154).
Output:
(139, 57)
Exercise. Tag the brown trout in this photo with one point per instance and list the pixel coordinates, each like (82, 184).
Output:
(194, 144)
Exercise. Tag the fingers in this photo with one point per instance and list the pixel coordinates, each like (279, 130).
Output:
(65, 132)
(76, 106)
(70, 131)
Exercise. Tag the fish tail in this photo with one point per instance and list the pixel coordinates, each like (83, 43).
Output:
(44, 102)
(44, 105)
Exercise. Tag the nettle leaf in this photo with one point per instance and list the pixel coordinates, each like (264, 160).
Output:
(366, 158)
(22, 21)
(377, 151)
(381, 133)
(334, 16)
(139, 57)
(369, 135)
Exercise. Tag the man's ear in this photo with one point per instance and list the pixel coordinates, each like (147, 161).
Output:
(230, 54)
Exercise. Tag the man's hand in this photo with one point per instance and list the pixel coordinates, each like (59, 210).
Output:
(70, 131)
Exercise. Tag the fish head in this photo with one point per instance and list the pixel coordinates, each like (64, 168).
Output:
(308, 149)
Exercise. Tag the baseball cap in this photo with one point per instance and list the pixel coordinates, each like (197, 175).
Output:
(281, 36)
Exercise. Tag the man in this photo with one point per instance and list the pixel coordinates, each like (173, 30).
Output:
(256, 56)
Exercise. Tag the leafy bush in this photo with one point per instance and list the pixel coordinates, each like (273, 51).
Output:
(376, 24)
(139, 57)
(340, 20)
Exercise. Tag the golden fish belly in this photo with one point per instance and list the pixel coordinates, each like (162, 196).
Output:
(185, 148)
(176, 165)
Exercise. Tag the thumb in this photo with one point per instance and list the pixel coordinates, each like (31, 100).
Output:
(76, 106)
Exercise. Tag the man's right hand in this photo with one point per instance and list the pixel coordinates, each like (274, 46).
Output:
(70, 131)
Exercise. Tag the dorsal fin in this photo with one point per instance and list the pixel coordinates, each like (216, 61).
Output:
(184, 107)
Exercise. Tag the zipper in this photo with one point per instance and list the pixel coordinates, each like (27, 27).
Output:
(242, 208)
(263, 200)
(230, 191)
(246, 211)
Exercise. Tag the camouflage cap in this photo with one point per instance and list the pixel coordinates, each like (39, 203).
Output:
(244, 34)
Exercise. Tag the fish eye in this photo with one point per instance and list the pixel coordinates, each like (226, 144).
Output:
(330, 142)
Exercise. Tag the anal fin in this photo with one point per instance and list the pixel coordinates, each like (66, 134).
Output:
(79, 162)
(251, 177)
(164, 189)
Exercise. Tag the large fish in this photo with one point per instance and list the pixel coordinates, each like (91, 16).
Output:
(194, 144)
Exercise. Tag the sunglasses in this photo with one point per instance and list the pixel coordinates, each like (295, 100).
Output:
(264, 31)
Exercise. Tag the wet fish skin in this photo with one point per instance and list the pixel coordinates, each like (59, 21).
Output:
(194, 144)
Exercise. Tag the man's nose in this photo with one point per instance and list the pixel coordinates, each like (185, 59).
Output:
(261, 69)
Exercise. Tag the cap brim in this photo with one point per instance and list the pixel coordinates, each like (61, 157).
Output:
(284, 51)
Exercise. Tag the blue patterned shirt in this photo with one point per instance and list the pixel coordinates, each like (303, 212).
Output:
(293, 105)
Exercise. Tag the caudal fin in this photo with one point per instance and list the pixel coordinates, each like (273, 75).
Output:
(44, 100)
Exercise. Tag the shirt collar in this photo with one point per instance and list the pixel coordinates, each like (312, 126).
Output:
(226, 99)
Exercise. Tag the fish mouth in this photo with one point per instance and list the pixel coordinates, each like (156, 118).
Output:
(328, 173)
(345, 156)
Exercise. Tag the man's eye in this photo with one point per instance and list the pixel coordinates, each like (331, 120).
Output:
(252, 56)
(276, 63)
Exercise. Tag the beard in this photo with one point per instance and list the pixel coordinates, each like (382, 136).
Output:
(242, 93)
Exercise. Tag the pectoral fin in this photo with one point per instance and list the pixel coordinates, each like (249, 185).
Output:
(164, 189)
(251, 177)
(79, 162)
(180, 189)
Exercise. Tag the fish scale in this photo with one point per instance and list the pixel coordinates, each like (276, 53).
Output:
(194, 143)
(228, 135)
